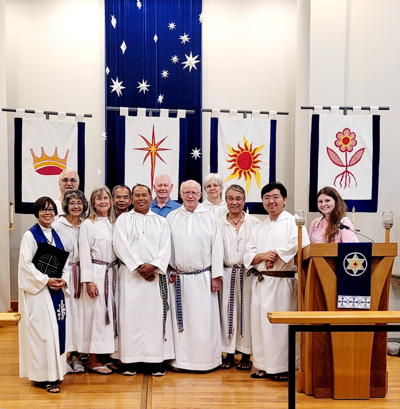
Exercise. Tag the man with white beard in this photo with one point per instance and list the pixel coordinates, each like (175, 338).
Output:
(195, 279)
(142, 242)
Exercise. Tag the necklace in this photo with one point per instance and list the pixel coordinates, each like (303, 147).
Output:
(237, 221)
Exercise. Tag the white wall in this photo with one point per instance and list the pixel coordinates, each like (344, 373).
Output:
(4, 220)
(55, 61)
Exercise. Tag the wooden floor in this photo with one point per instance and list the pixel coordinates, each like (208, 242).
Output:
(220, 389)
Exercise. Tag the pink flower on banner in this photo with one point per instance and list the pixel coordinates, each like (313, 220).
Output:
(345, 141)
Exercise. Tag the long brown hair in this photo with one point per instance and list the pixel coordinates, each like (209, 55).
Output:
(92, 211)
(337, 214)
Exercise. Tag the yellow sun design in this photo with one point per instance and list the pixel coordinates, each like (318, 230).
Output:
(244, 162)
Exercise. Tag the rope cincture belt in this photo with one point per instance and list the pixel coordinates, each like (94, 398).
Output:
(113, 265)
(76, 272)
(236, 268)
(178, 294)
(162, 281)
(277, 274)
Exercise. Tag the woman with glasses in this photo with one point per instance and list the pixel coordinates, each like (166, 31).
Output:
(213, 186)
(67, 226)
(99, 267)
(42, 305)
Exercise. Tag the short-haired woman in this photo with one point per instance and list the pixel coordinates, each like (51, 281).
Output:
(42, 305)
(213, 186)
(67, 226)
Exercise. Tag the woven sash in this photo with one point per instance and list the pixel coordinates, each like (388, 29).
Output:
(110, 266)
(76, 273)
(236, 268)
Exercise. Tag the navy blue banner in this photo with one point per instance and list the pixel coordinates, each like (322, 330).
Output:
(353, 273)
(153, 60)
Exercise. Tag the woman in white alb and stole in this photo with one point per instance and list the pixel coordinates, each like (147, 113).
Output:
(99, 273)
(74, 207)
(236, 289)
(213, 186)
(42, 305)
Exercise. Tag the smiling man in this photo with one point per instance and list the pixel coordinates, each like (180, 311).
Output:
(142, 243)
(163, 204)
(67, 180)
(271, 252)
(122, 199)
(195, 279)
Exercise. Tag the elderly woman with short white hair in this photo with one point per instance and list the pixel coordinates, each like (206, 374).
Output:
(213, 186)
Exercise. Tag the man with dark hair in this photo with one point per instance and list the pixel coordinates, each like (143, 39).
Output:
(271, 252)
(142, 243)
(122, 199)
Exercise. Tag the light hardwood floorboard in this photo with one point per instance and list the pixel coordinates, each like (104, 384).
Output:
(229, 389)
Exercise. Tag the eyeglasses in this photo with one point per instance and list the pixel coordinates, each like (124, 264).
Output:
(192, 193)
(72, 180)
(72, 204)
(274, 197)
(47, 210)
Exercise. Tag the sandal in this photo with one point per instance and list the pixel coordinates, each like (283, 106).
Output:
(228, 362)
(244, 365)
(260, 375)
(280, 377)
(52, 387)
(101, 370)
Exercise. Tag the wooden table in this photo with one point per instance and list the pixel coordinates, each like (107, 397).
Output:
(329, 321)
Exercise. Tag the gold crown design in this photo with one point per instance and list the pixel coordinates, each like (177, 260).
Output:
(45, 160)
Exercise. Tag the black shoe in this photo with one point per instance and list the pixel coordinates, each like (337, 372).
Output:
(158, 370)
(129, 370)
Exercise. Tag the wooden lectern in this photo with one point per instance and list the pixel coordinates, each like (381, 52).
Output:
(343, 365)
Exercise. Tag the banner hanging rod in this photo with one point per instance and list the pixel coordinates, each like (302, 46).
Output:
(345, 108)
(243, 111)
(150, 111)
(47, 113)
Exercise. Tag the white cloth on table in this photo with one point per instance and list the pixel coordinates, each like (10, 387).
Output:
(39, 349)
(95, 243)
(234, 247)
(74, 326)
(196, 244)
(140, 239)
(270, 341)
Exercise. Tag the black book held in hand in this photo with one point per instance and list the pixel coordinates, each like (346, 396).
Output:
(50, 260)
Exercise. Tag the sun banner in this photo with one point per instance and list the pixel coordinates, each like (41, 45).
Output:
(243, 151)
(345, 155)
(151, 146)
(43, 149)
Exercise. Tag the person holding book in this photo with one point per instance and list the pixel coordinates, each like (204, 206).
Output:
(42, 283)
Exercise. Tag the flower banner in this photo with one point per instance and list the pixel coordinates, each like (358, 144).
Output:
(345, 155)
(243, 151)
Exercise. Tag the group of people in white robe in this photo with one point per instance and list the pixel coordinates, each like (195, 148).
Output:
(144, 288)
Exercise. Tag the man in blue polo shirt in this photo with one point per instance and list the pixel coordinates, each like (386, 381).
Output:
(162, 204)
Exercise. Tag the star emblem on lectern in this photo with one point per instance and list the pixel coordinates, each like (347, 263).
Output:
(355, 264)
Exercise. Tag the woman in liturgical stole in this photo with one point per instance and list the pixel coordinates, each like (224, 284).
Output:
(74, 207)
(42, 281)
(333, 226)
(99, 270)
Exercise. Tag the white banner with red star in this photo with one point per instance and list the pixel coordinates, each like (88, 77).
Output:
(151, 149)
(345, 155)
(243, 153)
(43, 149)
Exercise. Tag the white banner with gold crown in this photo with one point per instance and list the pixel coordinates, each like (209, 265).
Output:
(47, 148)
